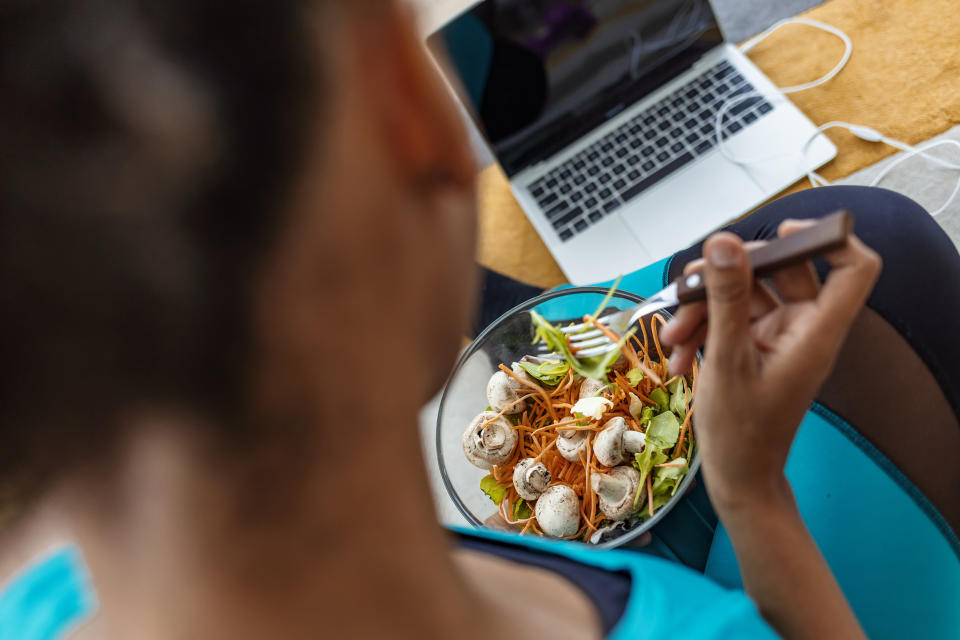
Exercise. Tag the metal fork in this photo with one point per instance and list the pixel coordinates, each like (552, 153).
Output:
(828, 234)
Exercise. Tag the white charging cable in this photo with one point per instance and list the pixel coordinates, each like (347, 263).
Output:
(862, 132)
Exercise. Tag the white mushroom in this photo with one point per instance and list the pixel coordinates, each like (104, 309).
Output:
(558, 511)
(504, 392)
(590, 388)
(571, 443)
(489, 440)
(616, 490)
(615, 442)
(530, 478)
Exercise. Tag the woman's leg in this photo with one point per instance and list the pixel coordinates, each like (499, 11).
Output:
(897, 380)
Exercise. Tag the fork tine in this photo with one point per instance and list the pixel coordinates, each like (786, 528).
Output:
(574, 328)
(583, 337)
(596, 351)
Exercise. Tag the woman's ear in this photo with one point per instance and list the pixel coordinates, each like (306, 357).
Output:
(415, 108)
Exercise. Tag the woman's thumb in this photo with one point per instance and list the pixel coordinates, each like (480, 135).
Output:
(729, 283)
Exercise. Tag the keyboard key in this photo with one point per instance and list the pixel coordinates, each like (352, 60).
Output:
(647, 151)
(740, 107)
(736, 78)
(649, 134)
(564, 188)
(604, 193)
(621, 138)
(691, 94)
(622, 152)
(663, 111)
(632, 160)
(662, 156)
(765, 107)
(678, 116)
(649, 120)
(636, 143)
(708, 129)
(604, 178)
(593, 170)
(579, 179)
(566, 234)
(722, 89)
(635, 129)
(648, 165)
(693, 107)
(676, 133)
(593, 155)
(734, 127)
(557, 210)
(704, 146)
(590, 188)
(579, 164)
(691, 138)
(611, 205)
(550, 198)
(607, 161)
(655, 177)
(676, 147)
(589, 203)
(595, 216)
(551, 183)
(536, 192)
(677, 102)
(576, 196)
(606, 147)
(708, 97)
(565, 174)
(617, 170)
(663, 126)
(568, 218)
(581, 225)
(750, 117)
(707, 114)
(619, 183)
(723, 71)
(662, 142)
(633, 175)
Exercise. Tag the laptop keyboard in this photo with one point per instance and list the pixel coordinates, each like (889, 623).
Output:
(645, 150)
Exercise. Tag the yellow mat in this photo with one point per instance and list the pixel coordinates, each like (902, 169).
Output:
(903, 80)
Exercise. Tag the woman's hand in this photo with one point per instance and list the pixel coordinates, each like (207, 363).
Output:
(767, 354)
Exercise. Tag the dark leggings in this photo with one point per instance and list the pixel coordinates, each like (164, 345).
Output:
(917, 295)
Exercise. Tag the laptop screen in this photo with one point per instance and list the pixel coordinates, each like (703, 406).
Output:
(539, 74)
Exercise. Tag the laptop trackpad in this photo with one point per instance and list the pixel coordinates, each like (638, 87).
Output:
(689, 205)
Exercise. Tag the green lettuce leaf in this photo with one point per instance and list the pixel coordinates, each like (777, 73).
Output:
(664, 430)
(644, 463)
(493, 490)
(678, 398)
(549, 372)
(667, 479)
(555, 340)
(646, 416)
(634, 376)
(521, 510)
(660, 397)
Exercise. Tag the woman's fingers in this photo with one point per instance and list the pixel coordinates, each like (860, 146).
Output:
(799, 282)
(681, 359)
(855, 269)
(684, 324)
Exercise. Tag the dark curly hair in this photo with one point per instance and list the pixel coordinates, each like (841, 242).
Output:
(145, 151)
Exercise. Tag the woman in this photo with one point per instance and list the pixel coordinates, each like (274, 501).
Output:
(223, 225)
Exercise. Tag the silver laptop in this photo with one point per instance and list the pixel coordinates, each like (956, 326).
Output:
(603, 115)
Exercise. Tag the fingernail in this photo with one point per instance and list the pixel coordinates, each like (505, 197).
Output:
(723, 255)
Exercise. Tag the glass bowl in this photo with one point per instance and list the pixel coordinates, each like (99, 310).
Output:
(507, 340)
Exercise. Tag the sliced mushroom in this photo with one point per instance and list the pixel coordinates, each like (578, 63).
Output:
(504, 392)
(571, 443)
(615, 442)
(530, 478)
(590, 388)
(489, 440)
(616, 490)
(558, 511)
